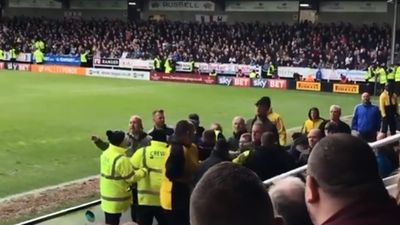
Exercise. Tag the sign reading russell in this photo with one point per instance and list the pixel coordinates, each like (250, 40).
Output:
(346, 88)
(181, 5)
(308, 86)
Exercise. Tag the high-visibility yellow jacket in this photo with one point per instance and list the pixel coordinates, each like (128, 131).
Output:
(83, 58)
(38, 55)
(388, 105)
(311, 124)
(252, 75)
(168, 66)
(117, 174)
(397, 74)
(276, 119)
(157, 63)
(382, 75)
(240, 159)
(152, 158)
(370, 75)
(176, 185)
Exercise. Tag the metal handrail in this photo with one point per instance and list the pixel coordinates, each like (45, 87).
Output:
(376, 144)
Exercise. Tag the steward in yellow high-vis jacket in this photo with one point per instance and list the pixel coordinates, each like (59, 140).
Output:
(276, 119)
(314, 121)
(389, 109)
(117, 174)
(148, 188)
(180, 165)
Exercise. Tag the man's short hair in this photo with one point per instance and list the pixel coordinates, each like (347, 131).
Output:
(182, 128)
(337, 107)
(258, 124)
(269, 139)
(230, 194)
(209, 135)
(345, 166)
(158, 111)
(287, 196)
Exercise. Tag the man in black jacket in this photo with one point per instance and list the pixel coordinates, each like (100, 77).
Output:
(159, 124)
(219, 154)
(334, 113)
(262, 107)
(269, 159)
(239, 128)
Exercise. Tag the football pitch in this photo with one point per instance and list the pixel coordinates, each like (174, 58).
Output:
(47, 120)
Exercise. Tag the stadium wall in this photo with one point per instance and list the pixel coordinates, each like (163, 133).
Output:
(61, 13)
(277, 17)
(274, 17)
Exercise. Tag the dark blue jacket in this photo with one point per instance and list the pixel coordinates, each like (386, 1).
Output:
(366, 118)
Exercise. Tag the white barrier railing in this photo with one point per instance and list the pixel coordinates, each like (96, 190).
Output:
(377, 144)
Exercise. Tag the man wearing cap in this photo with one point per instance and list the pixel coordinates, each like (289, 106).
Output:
(262, 109)
(343, 186)
(117, 174)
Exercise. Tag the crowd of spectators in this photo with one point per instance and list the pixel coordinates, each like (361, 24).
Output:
(258, 151)
(303, 44)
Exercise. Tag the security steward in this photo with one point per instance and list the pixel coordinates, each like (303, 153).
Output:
(157, 64)
(168, 65)
(397, 80)
(382, 76)
(253, 74)
(148, 188)
(83, 59)
(13, 57)
(117, 174)
(39, 57)
(1, 55)
(389, 108)
(370, 79)
(180, 165)
(271, 70)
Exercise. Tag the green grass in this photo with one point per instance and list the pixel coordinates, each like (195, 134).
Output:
(47, 120)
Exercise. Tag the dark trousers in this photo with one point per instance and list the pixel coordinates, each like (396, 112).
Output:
(389, 121)
(397, 88)
(177, 217)
(146, 214)
(134, 206)
(370, 88)
(368, 136)
(112, 219)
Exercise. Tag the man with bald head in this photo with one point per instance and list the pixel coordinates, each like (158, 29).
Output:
(239, 128)
(229, 194)
(287, 197)
(334, 116)
(313, 137)
(137, 137)
(366, 119)
(343, 186)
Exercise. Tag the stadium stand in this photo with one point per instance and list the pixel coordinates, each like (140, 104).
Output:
(304, 44)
